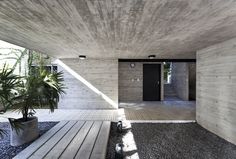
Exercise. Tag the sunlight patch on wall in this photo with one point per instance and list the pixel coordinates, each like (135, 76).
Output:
(88, 84)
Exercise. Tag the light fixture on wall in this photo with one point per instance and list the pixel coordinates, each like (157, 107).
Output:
(132, 65)
(82, 57)
(151, 56)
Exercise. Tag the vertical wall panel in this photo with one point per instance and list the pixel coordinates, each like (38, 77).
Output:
(216, 89)
(180, 79)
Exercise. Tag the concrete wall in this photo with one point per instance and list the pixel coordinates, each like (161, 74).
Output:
(131, 82)
(216, 89)
(169, 91)
(179, 79)
(102, 76)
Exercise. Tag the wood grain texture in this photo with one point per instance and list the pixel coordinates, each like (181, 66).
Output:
(117, 29)
(216, 89)
(74, 139)
(38, 143)
(99, 150)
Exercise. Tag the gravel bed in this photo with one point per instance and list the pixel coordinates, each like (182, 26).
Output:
(172, 141)
(7, 151)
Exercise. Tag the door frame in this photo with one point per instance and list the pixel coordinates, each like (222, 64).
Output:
(160, 80)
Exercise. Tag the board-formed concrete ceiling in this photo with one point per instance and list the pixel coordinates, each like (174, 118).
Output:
(117, 28)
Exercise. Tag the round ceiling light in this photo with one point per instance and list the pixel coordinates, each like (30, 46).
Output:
(82, 57)
(151, 56)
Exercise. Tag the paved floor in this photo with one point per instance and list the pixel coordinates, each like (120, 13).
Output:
(167, 110)
(67, 114)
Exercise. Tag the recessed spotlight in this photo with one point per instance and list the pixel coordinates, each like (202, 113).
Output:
(151, 56)
(82, 57)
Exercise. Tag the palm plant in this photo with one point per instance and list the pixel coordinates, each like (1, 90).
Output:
(40, 89)
(8, 86)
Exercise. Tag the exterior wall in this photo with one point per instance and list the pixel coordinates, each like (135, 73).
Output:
(131, 82)
(216, 89)
(102, 74)
(179, 79)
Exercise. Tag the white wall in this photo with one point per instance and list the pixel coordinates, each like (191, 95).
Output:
(102, 90)
(216, 89)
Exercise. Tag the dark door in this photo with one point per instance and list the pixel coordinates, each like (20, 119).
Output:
(151, 82)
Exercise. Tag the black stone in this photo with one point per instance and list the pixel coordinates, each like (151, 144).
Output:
(7, 151)
(119, 126)
(172, 141)
(119, 151)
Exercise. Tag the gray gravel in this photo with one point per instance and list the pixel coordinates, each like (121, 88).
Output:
(7, 151)
(173, 141)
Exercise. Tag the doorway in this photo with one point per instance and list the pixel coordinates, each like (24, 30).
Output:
(151, 82)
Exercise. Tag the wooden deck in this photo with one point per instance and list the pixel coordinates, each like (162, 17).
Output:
(164, 110)
(71, 139)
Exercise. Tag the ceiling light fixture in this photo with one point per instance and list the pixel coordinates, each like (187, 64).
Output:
(82, 57)
(151, 56)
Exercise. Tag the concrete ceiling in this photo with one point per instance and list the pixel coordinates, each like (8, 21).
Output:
(117, 28)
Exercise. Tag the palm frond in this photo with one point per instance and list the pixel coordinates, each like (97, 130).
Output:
(38, 89)
(15, 124)
(2, 133)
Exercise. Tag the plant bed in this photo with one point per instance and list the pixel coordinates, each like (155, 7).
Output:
(8, 151)
(179, 141)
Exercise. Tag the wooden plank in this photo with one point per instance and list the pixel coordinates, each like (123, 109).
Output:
(42, 151)
(40, 141)
(64, 142)
(100, 147)
(88, 144)
(76, 143)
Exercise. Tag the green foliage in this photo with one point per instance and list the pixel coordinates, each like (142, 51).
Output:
(39, 89)
(2, 133)
(15, 54)
(167, 70)
(9, 83)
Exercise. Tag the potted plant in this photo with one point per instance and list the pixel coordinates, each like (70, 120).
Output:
(39, 89)
(8, 82)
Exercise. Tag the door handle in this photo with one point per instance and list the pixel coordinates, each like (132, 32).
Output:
(158, 83)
